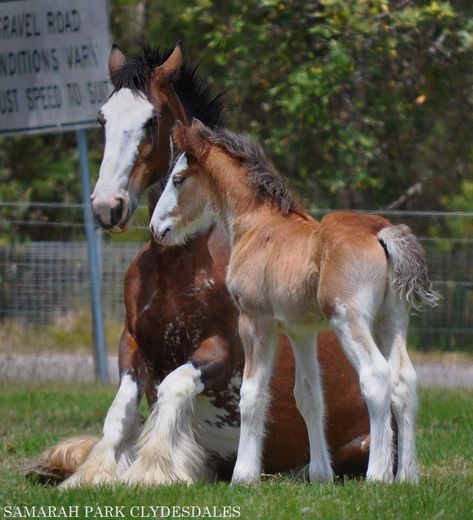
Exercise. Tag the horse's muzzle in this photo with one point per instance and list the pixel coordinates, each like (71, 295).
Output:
(110, 216)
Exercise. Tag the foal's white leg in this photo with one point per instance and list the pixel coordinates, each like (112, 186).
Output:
(113, 453)
(310, 402)
(375, 382)
(404, 404)
(258, 340)
(392, 331)
(167, 449)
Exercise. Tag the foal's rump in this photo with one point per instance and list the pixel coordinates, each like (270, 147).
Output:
(361, 253)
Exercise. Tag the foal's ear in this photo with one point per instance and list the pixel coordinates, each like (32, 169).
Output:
(116, 59)
(171, 67)
(198, 126)
(191, 139)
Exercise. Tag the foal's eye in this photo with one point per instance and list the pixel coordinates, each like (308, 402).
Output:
(178, 180)
(101, 120)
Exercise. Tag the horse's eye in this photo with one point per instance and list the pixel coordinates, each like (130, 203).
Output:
(151, 123)
(178, 180)
(101, 120)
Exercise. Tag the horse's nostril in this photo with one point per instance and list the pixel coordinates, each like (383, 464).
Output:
(100, 222)
(116, 213)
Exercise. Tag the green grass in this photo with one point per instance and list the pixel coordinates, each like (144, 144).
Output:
(32, 417)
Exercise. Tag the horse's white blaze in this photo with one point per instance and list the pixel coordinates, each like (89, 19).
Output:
(114, 452)
(167, 222)
(168, 451)
(125, 113)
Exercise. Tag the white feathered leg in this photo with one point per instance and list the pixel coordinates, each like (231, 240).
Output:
(167, 449)
(114, 452)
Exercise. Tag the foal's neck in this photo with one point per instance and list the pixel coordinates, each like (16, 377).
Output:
(234, 199)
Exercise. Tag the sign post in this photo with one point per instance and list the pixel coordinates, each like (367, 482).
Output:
(54, 78)
(95, 271)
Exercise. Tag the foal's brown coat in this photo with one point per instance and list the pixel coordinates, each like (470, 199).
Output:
(359, 270)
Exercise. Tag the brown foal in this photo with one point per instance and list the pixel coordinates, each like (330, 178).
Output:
(361, 272)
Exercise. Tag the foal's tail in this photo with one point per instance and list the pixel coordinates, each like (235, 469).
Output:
(408, 266)
(61, 460)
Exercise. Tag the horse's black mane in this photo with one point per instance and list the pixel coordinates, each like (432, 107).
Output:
(263, 176)
(196, 98)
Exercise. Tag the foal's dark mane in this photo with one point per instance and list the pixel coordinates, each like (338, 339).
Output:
(197, 99)
(263, 176)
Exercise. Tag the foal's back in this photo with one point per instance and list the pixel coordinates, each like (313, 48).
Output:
(282, 263)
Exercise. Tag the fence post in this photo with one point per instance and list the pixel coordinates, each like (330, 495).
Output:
(101, 367)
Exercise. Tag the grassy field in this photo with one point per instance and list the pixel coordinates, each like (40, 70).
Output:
(32, 417)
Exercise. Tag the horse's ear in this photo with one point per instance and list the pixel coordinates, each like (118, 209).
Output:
(116, 60)
(171, 67)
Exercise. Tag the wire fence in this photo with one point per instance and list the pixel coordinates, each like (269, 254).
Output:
(45, 290)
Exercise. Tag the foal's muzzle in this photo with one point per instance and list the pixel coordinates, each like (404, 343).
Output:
(159, 235)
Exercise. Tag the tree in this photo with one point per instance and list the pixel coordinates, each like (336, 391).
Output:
(356, 102)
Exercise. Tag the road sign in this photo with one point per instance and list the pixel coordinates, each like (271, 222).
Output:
(53, 64)
(54, 78)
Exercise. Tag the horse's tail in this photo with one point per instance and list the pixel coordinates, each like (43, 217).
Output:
(408, 266)
(61, 460)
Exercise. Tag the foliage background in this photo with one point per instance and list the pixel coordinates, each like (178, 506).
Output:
(355, 101)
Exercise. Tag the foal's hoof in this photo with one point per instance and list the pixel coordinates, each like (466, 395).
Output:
(245, 478)
(410, 475)
(386, 477)
(321, 477)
